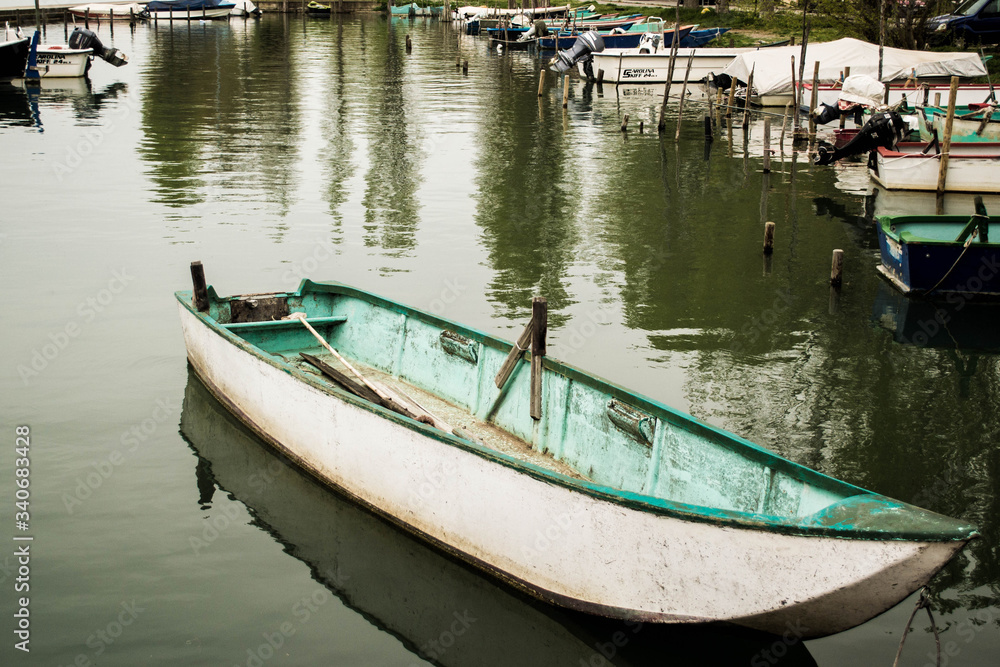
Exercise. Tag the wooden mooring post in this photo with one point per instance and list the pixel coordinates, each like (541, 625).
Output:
(539, 329)
(200, 289)
(813, 101)
(946, 142)
(837, 268)
(768, 238)
(624, 127)
(767, 145)
(680, 106)
(541, 82)
(409, 44)
(565, 91)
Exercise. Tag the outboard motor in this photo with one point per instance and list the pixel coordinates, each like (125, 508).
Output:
(649, 42)
(87, 39)
(587, 43)
(885, 129)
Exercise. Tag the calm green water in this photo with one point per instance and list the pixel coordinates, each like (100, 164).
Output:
(290, 148)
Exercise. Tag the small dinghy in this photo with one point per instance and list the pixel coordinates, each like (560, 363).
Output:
(575, 490)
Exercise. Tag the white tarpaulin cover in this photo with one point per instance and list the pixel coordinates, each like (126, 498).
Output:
(772, 66)
(862, 89)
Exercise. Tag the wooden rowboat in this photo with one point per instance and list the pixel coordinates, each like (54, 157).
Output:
(608, 502)
(940, 254)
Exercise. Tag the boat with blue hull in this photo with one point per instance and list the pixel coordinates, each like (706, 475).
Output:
(940, 255)
(646, 513)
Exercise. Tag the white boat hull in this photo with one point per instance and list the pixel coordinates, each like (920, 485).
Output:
(198, 15)
(966, 94)
(970, 169)
(61, 62)
(629, 66)
(577, 549)
(105, 12)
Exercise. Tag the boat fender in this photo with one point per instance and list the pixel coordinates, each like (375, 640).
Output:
(82, 38)
(885, 129)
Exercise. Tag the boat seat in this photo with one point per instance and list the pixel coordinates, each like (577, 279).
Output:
(286, 324)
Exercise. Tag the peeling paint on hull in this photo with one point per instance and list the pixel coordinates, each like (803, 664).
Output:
(561, 540)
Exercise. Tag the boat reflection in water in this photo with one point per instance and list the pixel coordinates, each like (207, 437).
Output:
(413, 592)
(953, 322)
(27, 104)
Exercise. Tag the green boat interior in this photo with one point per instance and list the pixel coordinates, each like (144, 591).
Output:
(604, 438)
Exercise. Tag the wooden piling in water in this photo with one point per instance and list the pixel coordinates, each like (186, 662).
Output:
(708, 129)
(600, 77)
(746, 103)
(661, 126)
(767, 145)
(465, 67)
(680, 107)
(784, 122)
(86, 19)
(625, 123)
(837, 268)
(640, 127)
(200, 289)
(565, 91)
(539, 328)
(813, 101)
(409, 44)
(732, 99)
(843, 116)
(768, 238)
(946, 145)
(541, 82)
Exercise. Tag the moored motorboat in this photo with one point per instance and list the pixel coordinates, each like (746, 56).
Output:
(195, 10)
(108, 11)
(579, 492)
(972, 167)
(13, 56)
(633, 66)
(940, 254)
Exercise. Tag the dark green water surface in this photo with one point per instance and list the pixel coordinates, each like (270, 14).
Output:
(286, 148)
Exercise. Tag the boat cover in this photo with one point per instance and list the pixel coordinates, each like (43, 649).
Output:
(773, 73)
(184, 5)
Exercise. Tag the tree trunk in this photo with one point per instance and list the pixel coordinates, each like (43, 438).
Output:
(722, 6)
(767, 9)
(690, 4)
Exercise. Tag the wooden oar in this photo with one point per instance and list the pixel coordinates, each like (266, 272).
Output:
(393, 398)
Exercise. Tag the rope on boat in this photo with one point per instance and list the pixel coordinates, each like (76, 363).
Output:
(968, 243)
(922, 603)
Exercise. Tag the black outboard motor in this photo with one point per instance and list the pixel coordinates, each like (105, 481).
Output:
(587, 43)
(87, 39)
(885, 129)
